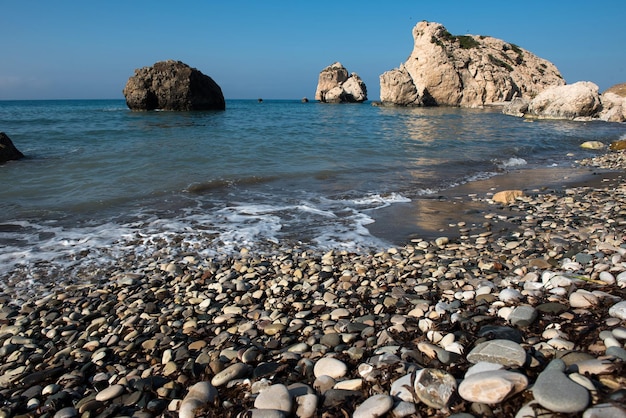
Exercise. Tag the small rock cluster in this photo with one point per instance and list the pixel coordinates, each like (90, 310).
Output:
(335, 85)
(527, 323)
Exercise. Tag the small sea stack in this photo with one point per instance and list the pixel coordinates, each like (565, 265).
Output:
(172, 85)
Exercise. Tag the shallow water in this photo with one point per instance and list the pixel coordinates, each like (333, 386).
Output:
(101, 181)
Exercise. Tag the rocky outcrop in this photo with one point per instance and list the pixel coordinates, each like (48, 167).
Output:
(572, 101)
(8, 151)
(336, 86)
(578, 101)
(172, 85)
(468, 71)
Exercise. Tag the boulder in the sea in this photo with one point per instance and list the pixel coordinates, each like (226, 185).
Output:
(335, 85)
(578, 100)
(466, 70)
(172, 85)
(595, 145)
(8, 151)
(614, 104)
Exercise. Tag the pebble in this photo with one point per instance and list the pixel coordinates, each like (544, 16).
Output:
(492, 387)
(558, 393)
(232, 372)
(198, 396)
(435, 387)
(374, 406)
(275, 397)
(331, 367)
(618, 310)
(504, 352)
(109, 393)
(523, 316)
(298, 332)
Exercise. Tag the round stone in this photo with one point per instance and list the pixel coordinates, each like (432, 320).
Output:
(557, 392)
(618, 310)
(492, 387)
(199, 395)
(523, 316)
(582, 299)
(274, 397)
(329, 366)
(374, 406)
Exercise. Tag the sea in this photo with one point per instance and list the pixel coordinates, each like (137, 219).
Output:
(100, 182)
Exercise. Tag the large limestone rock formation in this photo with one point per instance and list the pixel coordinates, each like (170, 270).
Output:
(172, 85)
(8, 151)
(468, 71)
(336, 86)
(578, 101)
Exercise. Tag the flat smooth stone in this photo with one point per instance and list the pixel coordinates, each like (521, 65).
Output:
(555, 391)
(374, 406)
(275, 397)
(504, 352)
(492, 387)
(232, 372)
(109, 393)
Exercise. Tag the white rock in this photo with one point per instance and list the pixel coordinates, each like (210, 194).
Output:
(328, 366)
(374, 406)
(618, 310)
(492, 387)
(606, 277)
(509, 295)
(198, 396)
(274, 397)
(109, 393)
(582, 299)
(307, 405)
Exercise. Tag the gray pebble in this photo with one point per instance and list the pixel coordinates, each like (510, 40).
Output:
(504, 352)
(557, 392)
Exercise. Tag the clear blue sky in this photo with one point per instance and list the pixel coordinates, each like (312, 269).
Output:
(273, 49)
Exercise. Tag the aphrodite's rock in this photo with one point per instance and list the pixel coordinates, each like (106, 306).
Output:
(571, 101)
(172, 85)
(336, 86)
(468, 71)
(7, 149)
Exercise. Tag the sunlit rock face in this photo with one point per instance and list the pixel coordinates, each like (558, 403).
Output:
(335, 85)
(467, 71)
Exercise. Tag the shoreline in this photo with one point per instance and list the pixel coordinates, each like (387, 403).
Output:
(417, 330)
(450, 212)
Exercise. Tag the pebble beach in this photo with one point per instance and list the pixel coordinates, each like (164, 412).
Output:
(523, 321)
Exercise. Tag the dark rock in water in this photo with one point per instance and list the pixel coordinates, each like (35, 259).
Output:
(172, 85)
(7, 149)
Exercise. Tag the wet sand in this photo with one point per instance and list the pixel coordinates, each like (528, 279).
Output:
(448, 212)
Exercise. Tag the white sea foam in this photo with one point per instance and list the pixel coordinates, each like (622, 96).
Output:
(512, 163)
(321, 223)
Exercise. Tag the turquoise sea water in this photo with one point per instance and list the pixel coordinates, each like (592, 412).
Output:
(100, 180)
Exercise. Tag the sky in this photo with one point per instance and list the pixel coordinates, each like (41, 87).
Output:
(275, 49)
